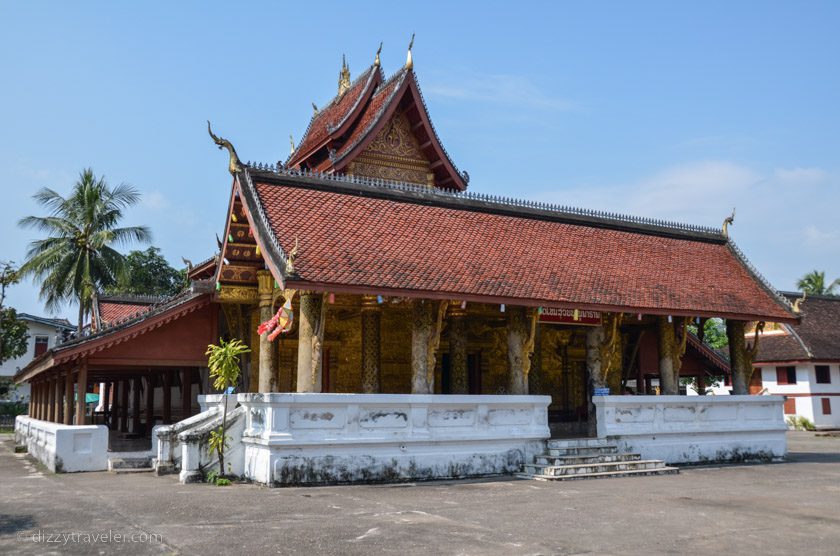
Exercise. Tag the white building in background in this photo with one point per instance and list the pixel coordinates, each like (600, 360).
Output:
(44, 333)
(802, 362)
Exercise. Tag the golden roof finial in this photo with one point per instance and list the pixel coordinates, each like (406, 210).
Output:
(728, 222)
(797, 304)
(315, 109)
(376, 61)
(292, 143)
(409, 63)
(343, 76)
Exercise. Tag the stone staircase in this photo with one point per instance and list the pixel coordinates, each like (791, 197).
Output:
(130, 462)
(589, 458)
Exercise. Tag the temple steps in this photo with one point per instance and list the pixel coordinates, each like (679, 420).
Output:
(589, 458)
(130, 463)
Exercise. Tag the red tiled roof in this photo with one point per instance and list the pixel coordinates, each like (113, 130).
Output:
(331, 115)
(111, 312)
(385, 242)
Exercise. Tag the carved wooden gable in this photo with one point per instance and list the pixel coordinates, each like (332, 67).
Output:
(394, 154)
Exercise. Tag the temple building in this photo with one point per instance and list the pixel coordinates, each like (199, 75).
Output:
(402, 281)
(802, 362)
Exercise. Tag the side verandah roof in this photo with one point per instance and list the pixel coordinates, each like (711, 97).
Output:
(379, 237)
(816, 337)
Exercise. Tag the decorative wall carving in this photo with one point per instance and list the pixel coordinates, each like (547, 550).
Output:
(394, 154)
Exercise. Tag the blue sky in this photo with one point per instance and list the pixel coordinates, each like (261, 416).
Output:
(671, 110)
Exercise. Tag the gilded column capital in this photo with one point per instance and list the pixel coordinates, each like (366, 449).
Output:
(265, 286)
(456, 310)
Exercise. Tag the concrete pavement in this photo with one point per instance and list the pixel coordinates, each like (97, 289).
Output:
(780, 508)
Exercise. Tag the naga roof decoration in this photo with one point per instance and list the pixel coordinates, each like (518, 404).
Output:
(362, 234)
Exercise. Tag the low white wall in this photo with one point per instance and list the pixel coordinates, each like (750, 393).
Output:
(64, 448)
(341, 438)
(695, 429)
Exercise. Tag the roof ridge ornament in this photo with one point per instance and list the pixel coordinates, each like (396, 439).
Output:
(314, 109)
(797, 304)
(728, 222)
(343, 76)
(234, 166)
(376, 61)
(292, 144)
(409, 63)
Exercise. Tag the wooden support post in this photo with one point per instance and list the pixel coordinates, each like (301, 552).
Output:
(51, 400)
(106, 401)
(81, 385)
(371, 320)
(135, 406)
(115, 406)
(265, 289)
(150, 403)
(186, 393)
(57, 386)
(124, 405)
(167, 397)
(68, 398)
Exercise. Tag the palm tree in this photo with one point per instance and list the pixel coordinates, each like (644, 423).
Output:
(77, 258)
(814, 283)
(223, 362)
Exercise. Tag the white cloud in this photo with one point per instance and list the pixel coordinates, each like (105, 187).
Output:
(154, 200)
(499, 89)
(800, 176)
(816, 236)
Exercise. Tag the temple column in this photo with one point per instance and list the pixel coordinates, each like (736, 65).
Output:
(457, 331)
(265, 289)
(115, 406)
(521, 328)
(736, 332)
(68, 398)
(427, 319)
(51, 400)
(106, 400)
(371, 349)
(124, 405)
(310, 340)
(56, 386)
(81, 387)
(667, 344)
(33, 400)
(135, 403)
(150, 403)
(186, 393)
(167, 397)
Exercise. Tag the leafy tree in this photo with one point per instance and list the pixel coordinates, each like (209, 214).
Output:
(223, 361)
(148, 273)
(814, 283)
(77, 258)
(714, 333)
(13, 332)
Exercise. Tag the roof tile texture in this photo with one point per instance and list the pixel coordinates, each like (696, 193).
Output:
(392, 244)
(110, 313)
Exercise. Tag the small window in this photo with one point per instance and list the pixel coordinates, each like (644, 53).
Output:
(790, 406)
(823, 374)
(41, 345)
(826, 406)
(785, 375)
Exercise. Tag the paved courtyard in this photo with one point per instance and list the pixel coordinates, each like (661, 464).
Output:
(783, 508)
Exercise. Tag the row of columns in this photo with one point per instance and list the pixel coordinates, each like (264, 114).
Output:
(426, 321)
(52, 399)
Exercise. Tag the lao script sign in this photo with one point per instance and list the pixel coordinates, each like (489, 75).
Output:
(567, 316)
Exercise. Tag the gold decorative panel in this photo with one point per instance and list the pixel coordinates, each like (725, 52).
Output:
(394, 154)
